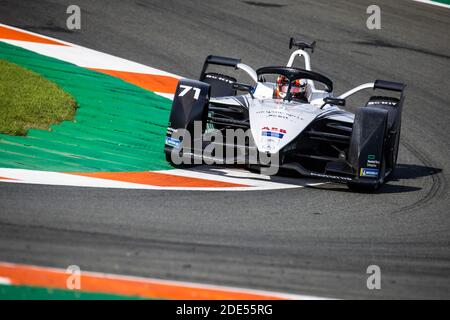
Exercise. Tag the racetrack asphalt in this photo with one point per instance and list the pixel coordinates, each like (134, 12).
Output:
(316, 240)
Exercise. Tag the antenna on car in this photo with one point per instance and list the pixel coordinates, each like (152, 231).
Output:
(301, 44)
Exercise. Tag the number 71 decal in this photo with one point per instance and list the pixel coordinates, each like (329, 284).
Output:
(186, 89)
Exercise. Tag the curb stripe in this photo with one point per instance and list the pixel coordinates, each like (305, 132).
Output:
(4, 178)
(151, 82)
(159, 179)
(19, 274)
(442, 4)
(12, 34)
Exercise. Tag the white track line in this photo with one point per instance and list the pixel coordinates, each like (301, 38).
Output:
(434, 3)
(5, 281)
(66, 179)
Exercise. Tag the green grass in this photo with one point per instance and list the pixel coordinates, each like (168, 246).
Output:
(27, 100)
(117, 126)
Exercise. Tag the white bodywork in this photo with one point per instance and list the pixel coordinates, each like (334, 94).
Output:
(274, 122)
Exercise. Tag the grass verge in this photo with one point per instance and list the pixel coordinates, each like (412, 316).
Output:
(28, 100)
(117, 126)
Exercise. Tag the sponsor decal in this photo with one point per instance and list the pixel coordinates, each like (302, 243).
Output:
(373, 163)
(273, 132)
(173, 142)
(280, 115)
(368, 172)
(211, 76)
(327, 176)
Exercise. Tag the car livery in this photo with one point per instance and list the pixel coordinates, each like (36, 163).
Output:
(312, 134)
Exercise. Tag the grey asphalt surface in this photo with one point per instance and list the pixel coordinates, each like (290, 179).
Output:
(316, 241)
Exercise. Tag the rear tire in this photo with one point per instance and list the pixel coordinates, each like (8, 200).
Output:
(254, 168)
(183, 165)
(394, 108)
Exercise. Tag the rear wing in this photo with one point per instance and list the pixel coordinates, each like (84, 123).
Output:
(227, 62)
(389, 85)
(220, 61)
(378, 84)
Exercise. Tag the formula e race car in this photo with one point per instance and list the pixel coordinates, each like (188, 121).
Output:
(285, 117)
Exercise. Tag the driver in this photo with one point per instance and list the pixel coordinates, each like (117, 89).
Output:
(298, 88)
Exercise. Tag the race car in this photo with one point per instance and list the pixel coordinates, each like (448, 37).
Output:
(290, 114)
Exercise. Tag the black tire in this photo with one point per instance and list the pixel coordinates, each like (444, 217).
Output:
(394, 108)
(395, 151)
(168, 154)
(254, 168)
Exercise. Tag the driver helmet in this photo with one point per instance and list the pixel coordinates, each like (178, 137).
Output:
(298, 88)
